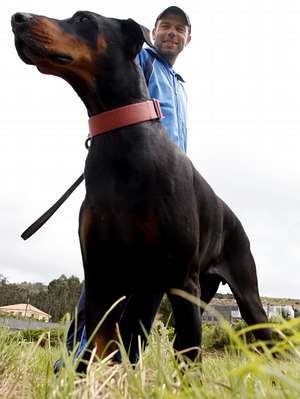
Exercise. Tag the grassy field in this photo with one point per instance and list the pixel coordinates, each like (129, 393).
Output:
(26, 369)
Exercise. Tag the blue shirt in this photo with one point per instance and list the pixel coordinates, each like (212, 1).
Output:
(165, 85)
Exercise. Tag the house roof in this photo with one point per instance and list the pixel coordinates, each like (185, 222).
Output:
(21, 307)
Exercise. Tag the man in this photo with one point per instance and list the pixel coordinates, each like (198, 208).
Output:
(171, 33)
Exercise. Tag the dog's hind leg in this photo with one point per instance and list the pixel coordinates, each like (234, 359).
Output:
(239, 271)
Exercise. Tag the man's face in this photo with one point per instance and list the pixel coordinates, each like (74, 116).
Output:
(170, 36)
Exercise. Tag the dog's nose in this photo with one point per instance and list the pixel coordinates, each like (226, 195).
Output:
(20, 18)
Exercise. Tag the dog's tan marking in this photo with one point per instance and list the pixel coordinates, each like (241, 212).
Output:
(102, 45)
(55, 40)
(85, 228)
(103, 343)
(148, 226)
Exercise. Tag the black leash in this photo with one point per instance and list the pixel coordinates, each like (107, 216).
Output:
(47, 215)
(154, 113)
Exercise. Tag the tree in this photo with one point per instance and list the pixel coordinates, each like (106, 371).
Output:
(58, 298)
(63, 296)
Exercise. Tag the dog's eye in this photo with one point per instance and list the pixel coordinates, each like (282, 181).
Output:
(83, 18)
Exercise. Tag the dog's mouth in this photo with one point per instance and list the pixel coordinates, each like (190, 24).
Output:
(32, 52)
(61, 59)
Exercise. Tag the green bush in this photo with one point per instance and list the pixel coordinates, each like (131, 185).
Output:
(165, 312)
(214, 337)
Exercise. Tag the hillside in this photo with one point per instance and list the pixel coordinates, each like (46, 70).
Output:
(227, 299)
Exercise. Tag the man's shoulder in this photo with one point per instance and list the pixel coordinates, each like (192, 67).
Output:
(153, 64)
(147, 53)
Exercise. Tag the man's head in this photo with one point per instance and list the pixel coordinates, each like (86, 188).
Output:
(171, 33)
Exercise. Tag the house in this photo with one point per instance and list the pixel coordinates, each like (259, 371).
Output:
(25, 310)
(231, 312)
(286, 311)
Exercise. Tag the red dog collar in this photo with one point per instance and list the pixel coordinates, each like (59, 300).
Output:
(124, 116)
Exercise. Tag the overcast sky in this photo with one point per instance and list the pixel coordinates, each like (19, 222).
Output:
(242, 72)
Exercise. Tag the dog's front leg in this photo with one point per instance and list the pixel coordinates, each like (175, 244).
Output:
(187, 321)
(102, 313)
(137, 320)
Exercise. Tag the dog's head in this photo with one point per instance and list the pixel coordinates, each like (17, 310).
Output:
(80, 45)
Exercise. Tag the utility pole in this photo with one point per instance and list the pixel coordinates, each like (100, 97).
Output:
(26, 307)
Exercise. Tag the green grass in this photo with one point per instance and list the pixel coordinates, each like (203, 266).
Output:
(236, 371)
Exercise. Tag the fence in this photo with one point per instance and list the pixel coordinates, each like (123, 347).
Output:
(17, 324)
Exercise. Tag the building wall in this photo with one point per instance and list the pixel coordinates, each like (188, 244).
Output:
(28, 314)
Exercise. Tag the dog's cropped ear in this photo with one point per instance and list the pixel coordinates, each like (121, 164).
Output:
(135, 36)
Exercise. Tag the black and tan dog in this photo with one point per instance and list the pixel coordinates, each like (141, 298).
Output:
(149, 221)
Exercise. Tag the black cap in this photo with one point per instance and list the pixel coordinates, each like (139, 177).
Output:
(177, 11)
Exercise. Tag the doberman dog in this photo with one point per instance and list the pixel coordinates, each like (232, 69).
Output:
(149, 222)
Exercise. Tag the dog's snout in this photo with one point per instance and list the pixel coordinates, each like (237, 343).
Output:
(20, 18)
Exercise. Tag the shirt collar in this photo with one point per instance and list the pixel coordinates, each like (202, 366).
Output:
(153, 51)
